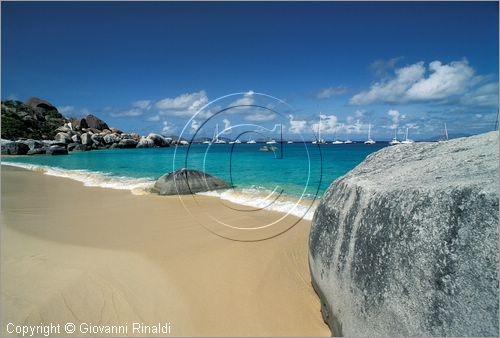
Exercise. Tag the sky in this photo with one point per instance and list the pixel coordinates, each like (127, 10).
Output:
(150, 66)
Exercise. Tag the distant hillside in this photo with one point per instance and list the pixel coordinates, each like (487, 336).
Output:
(35, 119)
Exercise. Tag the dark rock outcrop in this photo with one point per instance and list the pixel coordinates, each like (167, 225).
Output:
(33, 122)
(406, 244)
(57, 150)
(36, 102)
(158, 140)
(95, 122)
(185, 182)
(13, 148)
(127, 143)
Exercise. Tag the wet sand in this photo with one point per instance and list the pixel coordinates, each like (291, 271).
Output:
(91, 255)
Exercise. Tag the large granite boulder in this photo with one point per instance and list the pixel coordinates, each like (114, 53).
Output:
(406, 244)
(56, 150)
(111, 138)
(158, 140)
(36, 102)
(62, 138)
(79, 124)
(95, 122)
(13, 147)
(186, 181)
(127, 143)
(86, 139)
(145, 143)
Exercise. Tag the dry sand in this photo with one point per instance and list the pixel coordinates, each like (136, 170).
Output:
(91, 255)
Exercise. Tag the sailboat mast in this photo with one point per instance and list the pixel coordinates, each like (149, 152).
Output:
(369, 131)
(217, 132)
(319, 128)
(445, 131)
(406, 136)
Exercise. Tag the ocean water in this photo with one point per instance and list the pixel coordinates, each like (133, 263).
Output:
(297, 175)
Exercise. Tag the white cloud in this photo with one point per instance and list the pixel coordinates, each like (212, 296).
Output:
(142, 104)
(410, 84)
(443, 82)
(154, 118)
(329, 124)
(484, 96)
(247, 100)
(227, 125)
(381, 67)
(394, 114)
(185, 105)
(359, 113)
(128, 113)
(478, 115)
(260, 116)
(66, 109)
(331, 91)
(195, 125)
(168, 127)
(297, 126)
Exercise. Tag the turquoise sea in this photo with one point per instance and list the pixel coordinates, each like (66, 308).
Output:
(301, 171)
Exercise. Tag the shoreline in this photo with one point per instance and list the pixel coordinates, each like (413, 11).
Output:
(107, 256)
(247, 197)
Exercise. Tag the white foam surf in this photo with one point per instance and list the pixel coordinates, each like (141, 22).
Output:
(261, 198)
(256, 197)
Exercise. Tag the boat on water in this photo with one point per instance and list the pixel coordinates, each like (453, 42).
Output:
(268, 148)
(217, 140)
(407, 140)
(394, 140)
(319, 140)
(271, 142)
(347, 141)
(251, 142)
(235, 142)
(337, 141)
(289, 142)
(207, 142)
(369, 140)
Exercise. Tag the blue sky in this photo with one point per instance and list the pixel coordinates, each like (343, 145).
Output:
(149, 66)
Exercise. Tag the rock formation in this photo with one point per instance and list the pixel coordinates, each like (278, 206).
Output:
(38, 119)
(406, 244)
(186, 181)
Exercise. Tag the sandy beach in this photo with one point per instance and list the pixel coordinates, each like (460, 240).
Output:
(91, 255)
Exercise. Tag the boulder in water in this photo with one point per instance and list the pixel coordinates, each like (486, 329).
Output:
(57, 150)
(186, 182)
(406, 243)
(145, 143)
(158, 140)
(127, 143)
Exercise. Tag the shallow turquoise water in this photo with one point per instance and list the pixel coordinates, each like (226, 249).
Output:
(301, 170)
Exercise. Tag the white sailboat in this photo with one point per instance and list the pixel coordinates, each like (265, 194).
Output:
(289, 142)
(319, 140)
(336, 141)
(445, 132)
(217, 140)
(394, 140)
(251, 141)
(369, 140)
(407, 140)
